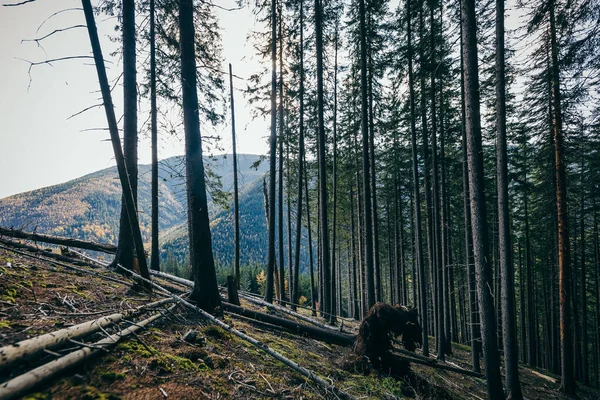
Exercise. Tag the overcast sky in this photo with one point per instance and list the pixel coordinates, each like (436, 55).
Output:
(39, 145)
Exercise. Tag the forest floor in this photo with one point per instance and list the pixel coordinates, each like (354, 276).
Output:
(38, 297)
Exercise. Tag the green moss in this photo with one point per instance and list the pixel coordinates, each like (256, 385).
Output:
(91, 393)
(111, 376)
(36, 396)
(166, 363)
(4, 324)
(9, 294)
(217, 332)
(136, 348)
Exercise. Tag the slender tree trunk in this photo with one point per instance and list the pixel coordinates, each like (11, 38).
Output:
(469, 261)
(522, 307)
(236, 203)
(272, 155)
(313, 294)
(356, 305)
(280, 169)
(206, 292)
(369, 252)
(333, 310)
(564, 267)
(125, 251)
(477, 194)
(155, 252)
(511, 355)
(128, 194)
(584, 315)
(295, 282)
(416, 195)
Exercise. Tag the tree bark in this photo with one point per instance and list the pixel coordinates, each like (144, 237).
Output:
(511, 355)
(272, 155)
(128, 193)
(155, 252)
(477, 194)
(206, 292)
(417, 197)
(236, 203)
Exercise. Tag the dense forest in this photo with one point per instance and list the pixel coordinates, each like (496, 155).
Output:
(425, 153)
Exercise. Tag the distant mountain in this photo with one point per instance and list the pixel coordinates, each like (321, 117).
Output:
(89, 207)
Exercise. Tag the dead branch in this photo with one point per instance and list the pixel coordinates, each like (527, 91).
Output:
(18, 4)
(58, 240)
(403, 358)
(46, 36)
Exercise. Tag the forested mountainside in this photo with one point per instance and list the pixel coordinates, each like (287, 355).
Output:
(89, 207)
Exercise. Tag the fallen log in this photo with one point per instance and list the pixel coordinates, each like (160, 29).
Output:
(251, 299)
(29, 348)
(67, 266)
(303, 371)
(46, 253)
(58, 240)
(24, 383)
(314, 332)
(434, 364)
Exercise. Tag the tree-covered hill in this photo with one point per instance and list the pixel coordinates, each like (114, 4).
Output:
(89, 207)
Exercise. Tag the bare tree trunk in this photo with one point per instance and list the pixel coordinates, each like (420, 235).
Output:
(125, 251)
(272, 154)
(477, 194)
(584, 315)
(333, 308)
(280, 169)
(128, 195)
(564, 267)
(236, 204)
(511, 355)
(155, 253)
(470, 263)
(206, 291)
(369, 256)
(416, 195)
(295, 282)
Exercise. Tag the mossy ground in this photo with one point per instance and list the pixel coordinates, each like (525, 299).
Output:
(217, 365)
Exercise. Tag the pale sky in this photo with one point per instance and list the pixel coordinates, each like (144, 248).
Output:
(39, 145)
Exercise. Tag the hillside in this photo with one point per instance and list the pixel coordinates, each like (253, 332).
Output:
(88, 207)
(182, 355)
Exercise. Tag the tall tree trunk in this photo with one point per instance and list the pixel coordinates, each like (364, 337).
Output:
(333, 308)
(206, 291)
(478, 213)
(469, 261)
(564, 267)
(128, 195)
(126, 251)
(313, 294)
(236, 203)
(511, 355)
(155, 252)
(369, 256)
(272, 155)
(355, 297)
(295, 282)
(522, 306)
(439, 257)
(416, 195)
(328, 300)
(584, 313)
(280, 169)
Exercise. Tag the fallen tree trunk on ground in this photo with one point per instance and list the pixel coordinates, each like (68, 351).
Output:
(434, 364)
(46, 253)
(83, 271)
(303, 371)
(29, 348)
(58, 240)
(22, 384)
(325, 335)
(251, 299)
